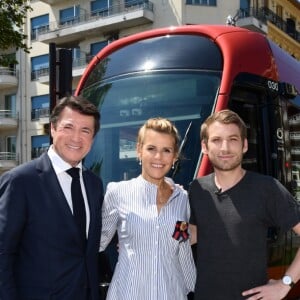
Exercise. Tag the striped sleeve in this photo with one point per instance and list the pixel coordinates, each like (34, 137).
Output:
(109, 216)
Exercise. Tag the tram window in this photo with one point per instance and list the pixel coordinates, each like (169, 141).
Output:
(144, 97)
(113, 155)
(293, 109)
(127, 102)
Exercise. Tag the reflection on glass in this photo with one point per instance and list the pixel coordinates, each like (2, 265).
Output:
(125, 103)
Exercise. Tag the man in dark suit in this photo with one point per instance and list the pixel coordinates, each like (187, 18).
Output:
(42, 255)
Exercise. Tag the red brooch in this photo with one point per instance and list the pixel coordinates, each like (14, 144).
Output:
(181, 231)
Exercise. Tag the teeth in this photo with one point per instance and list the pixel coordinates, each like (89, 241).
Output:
(157, 166)
(73, 147)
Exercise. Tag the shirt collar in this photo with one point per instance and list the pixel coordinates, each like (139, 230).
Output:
(58, 163)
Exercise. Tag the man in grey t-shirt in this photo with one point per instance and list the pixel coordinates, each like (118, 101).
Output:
(232, 210)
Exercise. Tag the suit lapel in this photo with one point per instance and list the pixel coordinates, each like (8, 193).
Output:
(55, 192)
(90, 201)
(92, 207)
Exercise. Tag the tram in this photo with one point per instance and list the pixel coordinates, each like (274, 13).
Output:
(184, 74)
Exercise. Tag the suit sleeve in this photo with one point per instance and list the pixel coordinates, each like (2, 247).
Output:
(12, 220)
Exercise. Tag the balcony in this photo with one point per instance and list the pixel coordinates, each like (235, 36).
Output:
(38, 151)
(256, 19)
(114, 19)
(8, 119)
(80, 64)
(8, 78)
(8, 160)
(41, 114)
(78, 67)
(41, 75)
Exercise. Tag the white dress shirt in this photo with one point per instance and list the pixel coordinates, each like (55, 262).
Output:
(152, 265)
(65, 180)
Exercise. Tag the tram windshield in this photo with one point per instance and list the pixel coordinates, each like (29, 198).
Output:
(126, 102)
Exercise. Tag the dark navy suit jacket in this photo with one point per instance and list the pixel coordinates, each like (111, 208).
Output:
(41, 254)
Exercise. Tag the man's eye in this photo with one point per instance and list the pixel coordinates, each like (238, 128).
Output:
(168, 151)
(86, 131)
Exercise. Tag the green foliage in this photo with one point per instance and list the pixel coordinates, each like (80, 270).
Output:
(12, 19)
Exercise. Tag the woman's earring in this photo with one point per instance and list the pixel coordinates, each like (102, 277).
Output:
(173, 166)
(140, 162)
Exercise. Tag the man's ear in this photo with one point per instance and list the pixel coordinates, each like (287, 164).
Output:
(52, 128)
(204, 147)
(245, 146)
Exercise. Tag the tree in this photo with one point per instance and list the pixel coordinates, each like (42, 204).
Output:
(12, 18)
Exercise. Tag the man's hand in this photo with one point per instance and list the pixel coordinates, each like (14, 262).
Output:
(273, 290)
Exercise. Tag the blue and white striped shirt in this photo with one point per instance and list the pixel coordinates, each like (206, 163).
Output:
(152, 265)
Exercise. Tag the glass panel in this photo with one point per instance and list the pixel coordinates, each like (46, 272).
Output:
(39, 62)
(39, 24)
(99, 6)
(69, 15)
(40, 101)
(11, 144)
(192, 52)
(129, 3)
(40, 107)
(39, 65)
(127, 102)
(39, 145)
(96, 47)
(10, 105)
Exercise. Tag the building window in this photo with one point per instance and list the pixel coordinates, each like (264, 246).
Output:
(10, 106)
(39, 25)
(39, 145)
(99, 7)
(202, 2)
(11, 146)
(291, 26)
(39, 66)
(78, 58)
(279, 10)
(129, 3)
(69, 16)
(96, 47)
(244, 8)
(40, 107)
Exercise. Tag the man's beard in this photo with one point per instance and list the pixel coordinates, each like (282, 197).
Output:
(226, 166)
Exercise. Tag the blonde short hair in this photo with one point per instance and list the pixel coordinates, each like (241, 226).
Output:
(161, 125)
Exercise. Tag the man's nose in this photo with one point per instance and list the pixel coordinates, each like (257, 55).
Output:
(224, 145)
(76, 135)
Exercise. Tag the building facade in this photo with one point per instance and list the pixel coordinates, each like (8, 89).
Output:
(85, 27)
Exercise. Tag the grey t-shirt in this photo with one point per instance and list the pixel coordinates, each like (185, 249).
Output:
(232, 232)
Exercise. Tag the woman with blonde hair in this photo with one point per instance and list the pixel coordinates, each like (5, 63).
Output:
(150, 214)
